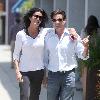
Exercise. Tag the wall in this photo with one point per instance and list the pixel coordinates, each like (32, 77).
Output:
(47, 5)
(10, 16)
(76, 14)
(94, 8)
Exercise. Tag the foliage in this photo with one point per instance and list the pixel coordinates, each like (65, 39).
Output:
(27, 5)
(94, 52)
(97, 87)
(93, 66)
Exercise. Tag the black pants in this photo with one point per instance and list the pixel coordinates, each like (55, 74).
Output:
(32, 81)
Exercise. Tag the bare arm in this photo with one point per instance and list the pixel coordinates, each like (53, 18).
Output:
(85, 42)
(18, 74)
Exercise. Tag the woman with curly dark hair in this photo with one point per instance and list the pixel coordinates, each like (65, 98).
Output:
(28, 54)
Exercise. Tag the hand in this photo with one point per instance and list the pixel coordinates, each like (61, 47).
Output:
(19, 76)
(73, 34)
(85, 41)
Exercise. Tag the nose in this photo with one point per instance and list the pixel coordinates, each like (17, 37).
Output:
(57, 22)
(38, 18)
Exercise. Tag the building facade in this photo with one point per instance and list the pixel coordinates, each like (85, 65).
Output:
(77, 11)
(3, 21)
(6, 19)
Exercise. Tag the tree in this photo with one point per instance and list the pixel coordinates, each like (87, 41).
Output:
(27, 5)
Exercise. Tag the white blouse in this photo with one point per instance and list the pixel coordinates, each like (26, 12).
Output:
(29, 52)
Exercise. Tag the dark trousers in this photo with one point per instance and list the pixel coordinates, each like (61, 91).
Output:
(32, 81)
(24, 88)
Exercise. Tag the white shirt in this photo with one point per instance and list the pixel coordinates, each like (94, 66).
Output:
(60, 55)
(32, 51)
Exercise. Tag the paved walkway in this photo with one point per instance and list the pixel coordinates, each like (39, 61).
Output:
(9, 89)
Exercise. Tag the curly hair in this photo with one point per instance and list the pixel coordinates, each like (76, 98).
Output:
(92, 25)
(30, 13)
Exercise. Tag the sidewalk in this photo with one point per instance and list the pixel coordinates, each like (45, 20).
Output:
(9, 89)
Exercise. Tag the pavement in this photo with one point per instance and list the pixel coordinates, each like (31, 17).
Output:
(9, 89)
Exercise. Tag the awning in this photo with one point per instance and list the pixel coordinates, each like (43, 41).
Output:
(16, 7)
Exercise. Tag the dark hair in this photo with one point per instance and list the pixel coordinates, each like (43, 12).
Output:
(92, 25)
(58, 11)
(30, 13)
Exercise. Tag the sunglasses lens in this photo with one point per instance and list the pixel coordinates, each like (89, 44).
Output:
(37, 16)
(60, 20)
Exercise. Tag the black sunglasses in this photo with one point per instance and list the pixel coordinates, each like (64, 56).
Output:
(37, 16)
(60, 20)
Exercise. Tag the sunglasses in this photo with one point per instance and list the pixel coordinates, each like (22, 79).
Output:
(60, 20)
(37, 16)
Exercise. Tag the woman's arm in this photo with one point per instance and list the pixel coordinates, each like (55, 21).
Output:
(16, 55)
(18, 74)
(85, 42)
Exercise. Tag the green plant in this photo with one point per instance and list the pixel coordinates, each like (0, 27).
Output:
(27, 5)
(94, 52)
